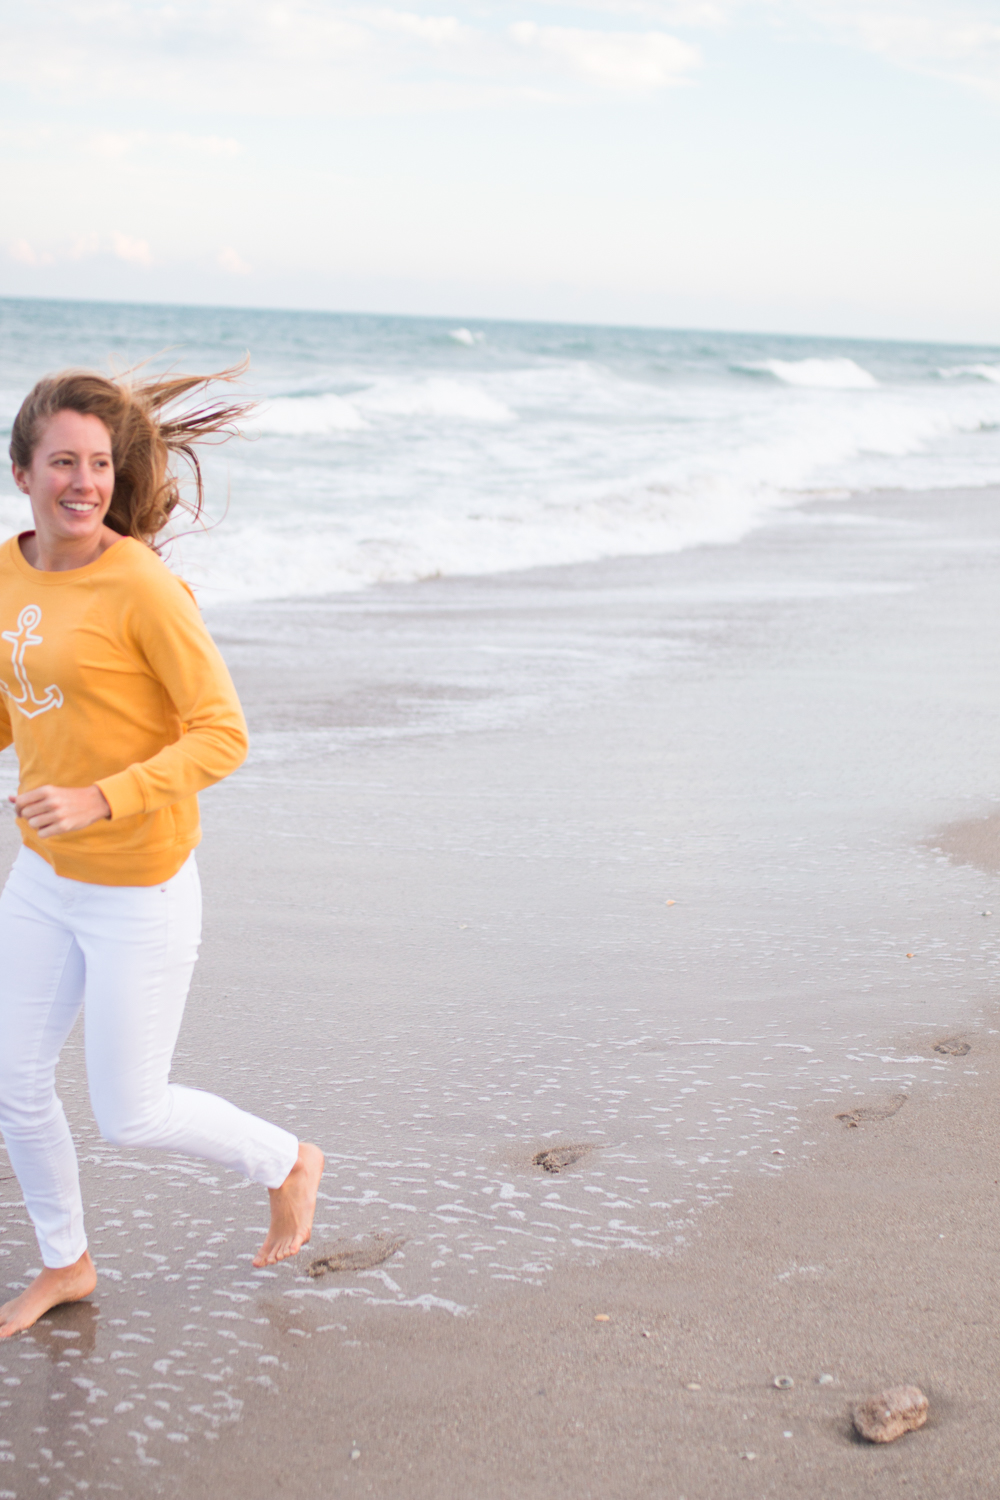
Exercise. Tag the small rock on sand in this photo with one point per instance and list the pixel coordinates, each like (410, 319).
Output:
(953, 1046)
(558, 1158)
(885, 1417)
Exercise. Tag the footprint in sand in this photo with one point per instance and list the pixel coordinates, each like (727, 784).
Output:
(355, 1255)
(558, 1158)
(852, 1118)
(953, 1046)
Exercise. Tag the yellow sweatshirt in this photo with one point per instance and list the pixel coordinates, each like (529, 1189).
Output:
(108, 676)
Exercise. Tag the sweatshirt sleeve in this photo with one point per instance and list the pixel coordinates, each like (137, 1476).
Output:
(6, 731)
(171, 636)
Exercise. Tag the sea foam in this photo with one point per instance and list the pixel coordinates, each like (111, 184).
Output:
(306, 415)
(434, 397)
(462, 498)
(302, 416)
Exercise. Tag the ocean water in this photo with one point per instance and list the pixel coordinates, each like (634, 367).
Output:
(395, 449)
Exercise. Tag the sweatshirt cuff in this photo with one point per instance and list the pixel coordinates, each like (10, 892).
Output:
(123, 793)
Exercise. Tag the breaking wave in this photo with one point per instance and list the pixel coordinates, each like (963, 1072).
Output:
(973, 372)
(300, 416)
(819, 374)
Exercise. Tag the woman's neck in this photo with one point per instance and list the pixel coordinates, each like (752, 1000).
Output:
(62, 554)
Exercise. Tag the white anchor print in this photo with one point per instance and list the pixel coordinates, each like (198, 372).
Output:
(21, 639)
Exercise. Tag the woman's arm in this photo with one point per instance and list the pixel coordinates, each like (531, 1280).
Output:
(168, 630)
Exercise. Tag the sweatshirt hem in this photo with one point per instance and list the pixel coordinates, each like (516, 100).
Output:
(151, 868)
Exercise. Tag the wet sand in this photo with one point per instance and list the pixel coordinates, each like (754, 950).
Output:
(673, 859)
(873, 1261)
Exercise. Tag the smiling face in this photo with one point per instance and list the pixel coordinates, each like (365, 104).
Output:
(70, 481)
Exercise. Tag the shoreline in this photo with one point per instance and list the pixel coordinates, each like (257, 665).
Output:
(391, 589)
(403, 592)
(665, 856)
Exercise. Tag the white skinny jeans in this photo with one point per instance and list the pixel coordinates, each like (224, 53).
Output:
(126, 953)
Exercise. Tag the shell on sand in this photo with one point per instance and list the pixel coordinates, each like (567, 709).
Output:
(885, 1417)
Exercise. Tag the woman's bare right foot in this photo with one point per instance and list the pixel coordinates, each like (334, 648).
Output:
(292, 1207)
(49, 1289)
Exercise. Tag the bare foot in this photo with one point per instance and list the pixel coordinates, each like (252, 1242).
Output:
(292, 1207)
(49, 1289)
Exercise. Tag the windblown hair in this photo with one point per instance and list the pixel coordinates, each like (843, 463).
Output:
(146, 438)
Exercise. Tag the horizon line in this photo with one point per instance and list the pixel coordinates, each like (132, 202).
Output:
(626, 327)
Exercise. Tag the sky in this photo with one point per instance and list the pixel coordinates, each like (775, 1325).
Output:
(800, 166)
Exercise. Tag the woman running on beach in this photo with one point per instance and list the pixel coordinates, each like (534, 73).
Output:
(121, 710)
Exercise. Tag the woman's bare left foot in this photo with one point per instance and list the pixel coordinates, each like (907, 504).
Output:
(292, 1207)
(51, 1288)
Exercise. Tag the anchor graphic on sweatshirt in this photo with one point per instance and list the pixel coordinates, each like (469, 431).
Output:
(20, 640)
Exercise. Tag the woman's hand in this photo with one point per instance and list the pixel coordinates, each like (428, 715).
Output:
(61, 809)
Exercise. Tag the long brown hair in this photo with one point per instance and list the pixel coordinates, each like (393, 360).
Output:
(146, 441)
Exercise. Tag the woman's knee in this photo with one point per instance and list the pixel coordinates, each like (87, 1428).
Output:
(122, 1123)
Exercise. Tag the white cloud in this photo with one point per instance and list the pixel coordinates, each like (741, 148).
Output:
(956, 41)
(202, 145)
(437, 31)
(322, 58)
(336, 57)
(633, 61)
(26, 255)
(116, 144)
(82, 245)
(961, 44)
(135, 251)
(710, 14)
(230, 261)
(113, 144)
